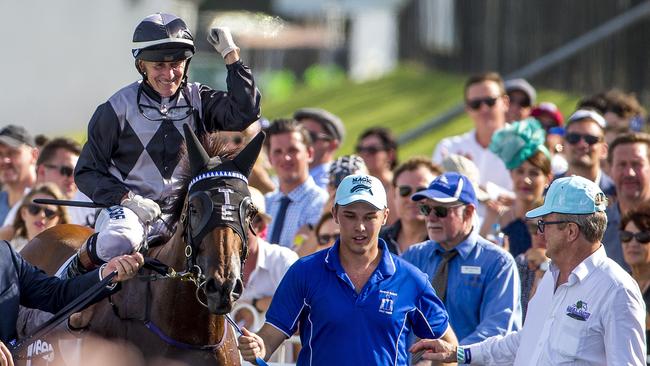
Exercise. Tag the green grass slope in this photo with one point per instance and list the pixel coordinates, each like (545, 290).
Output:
(400, 101)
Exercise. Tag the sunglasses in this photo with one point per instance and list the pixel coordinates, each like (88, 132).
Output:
(324, 239)
(64, 170)
(475, 104)
(405, 191)
(573, 138)
(520, 101)
(541, 224)
(35, 209)
(642, 237)
(440, 211)
(372, 150)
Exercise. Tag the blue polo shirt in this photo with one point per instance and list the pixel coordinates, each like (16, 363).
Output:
(339, 326)
(483, 287)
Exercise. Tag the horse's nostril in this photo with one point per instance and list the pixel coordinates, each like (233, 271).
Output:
(238, 288)
(211, 286)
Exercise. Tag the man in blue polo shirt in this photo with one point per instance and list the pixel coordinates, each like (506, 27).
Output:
(477, 281)
(354, 303)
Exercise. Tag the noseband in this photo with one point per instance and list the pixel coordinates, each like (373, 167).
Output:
(215, 199)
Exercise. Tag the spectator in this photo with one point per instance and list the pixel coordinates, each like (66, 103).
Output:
(630, 166)
(624, 111)
(552, 120)
(585, 147)
(531, 266)
(18, 154)
(520, 146)
(325, 234)
(130, 163)
(586, 310)
(476, 280)
(548, 115)
(378, 148)
(355, 290)
(635, 236)
(56, 163)
(327, 132)
(522, 97)
(486, 104)
(265, 265)
(410, 177)
(298, 201)
(462, 165)
(33, 218)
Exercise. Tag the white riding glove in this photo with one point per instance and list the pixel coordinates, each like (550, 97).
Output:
(146, 209)
(221, 40)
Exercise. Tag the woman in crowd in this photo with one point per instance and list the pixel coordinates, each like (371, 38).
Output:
(326, 232)
(32, 218)
(521, 146)
(378, 148)
(635, 236)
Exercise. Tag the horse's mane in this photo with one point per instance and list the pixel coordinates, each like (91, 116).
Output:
(214, 145)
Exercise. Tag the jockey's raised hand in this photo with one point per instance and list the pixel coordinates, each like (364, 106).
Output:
(146, 209)
(221, 39)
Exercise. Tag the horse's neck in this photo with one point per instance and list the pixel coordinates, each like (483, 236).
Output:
(172, 253)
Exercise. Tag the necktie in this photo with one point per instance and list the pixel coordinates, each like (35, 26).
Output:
(278, 220)
(439, 281)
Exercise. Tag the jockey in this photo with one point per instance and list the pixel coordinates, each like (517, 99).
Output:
(130, 162)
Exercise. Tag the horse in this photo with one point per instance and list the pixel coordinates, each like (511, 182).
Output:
(181, 316)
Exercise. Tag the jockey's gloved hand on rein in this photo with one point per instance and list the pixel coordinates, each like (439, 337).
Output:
(221, 39)
(146, 209)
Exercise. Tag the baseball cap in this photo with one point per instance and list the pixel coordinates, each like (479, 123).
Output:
(361, 187)
(551, 110)
(573, 195)
(344, 166)
(449, 187)
(523, 86)
(460, 164)
(14, 136)
(331, 123)
(581, 114)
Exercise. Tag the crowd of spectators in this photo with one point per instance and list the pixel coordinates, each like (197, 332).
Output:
(481, 253)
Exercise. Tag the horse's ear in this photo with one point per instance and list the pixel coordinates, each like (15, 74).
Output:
(246, 158)
(196, 154)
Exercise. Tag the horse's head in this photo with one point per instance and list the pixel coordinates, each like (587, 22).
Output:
(216, 219)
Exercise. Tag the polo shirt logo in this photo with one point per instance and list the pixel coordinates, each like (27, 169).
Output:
(386, 301)
(578, 311)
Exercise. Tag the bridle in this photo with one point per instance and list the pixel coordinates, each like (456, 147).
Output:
(215, 199)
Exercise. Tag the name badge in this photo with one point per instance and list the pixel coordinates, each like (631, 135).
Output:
(470, 270)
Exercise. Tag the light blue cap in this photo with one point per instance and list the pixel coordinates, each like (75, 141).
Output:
(572, 195)
(361, 187)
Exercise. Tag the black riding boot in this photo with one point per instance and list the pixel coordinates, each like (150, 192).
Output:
(86, 258)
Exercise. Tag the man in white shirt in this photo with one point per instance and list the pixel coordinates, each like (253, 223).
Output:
(486, 104)
(264, 268)
(587, 310)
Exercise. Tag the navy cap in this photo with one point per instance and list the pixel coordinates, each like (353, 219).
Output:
(449, 187)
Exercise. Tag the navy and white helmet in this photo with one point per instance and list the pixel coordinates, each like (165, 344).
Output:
(162, 37)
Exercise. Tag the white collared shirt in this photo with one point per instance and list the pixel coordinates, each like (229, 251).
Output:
(596, 318)
(273, 261)
(489, 164)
